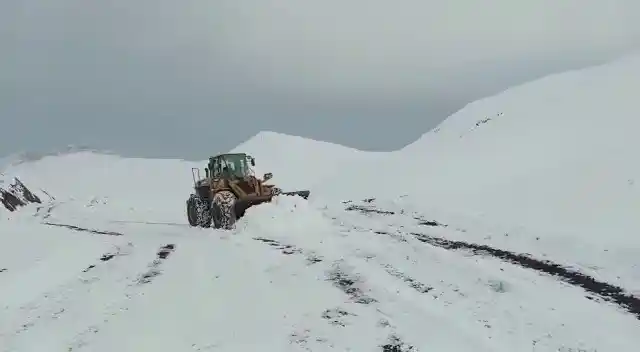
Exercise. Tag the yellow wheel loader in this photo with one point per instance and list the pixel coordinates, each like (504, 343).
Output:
(228, 189)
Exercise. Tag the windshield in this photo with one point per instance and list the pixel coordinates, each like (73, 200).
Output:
(236, 164)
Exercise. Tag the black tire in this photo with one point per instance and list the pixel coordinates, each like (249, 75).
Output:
(223, 210)
(192, 216)
(198, 212)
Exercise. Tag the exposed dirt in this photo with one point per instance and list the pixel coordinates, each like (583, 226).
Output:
(289, 249)
(104, 258)
(349, 284)
(154, 267)
(395, 344)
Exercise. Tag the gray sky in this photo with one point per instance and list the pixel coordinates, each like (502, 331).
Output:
(191, 78)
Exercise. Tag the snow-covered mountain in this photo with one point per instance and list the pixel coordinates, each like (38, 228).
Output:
(545, 168)
(509, 227)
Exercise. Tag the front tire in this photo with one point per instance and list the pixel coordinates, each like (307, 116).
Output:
(223, 210)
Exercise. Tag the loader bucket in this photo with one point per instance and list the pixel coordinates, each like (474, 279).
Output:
(242, 205)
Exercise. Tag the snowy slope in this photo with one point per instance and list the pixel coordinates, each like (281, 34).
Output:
(111, 265)
(546, 168)
(292, 276)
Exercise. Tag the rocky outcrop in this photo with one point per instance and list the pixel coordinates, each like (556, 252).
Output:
(14, 194)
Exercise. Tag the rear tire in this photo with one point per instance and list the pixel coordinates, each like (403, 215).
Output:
(223, 210)
(198, 212)
(192, 212)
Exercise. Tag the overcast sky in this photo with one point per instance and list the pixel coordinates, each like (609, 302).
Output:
(191, 78)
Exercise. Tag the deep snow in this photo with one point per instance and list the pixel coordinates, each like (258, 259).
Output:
(109, 263)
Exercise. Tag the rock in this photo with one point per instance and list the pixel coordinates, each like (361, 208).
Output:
(14, 194)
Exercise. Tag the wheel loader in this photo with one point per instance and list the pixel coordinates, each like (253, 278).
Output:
(228, 189)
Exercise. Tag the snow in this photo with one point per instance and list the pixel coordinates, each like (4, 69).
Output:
(298, 162)
(109, 263)
(544, 168)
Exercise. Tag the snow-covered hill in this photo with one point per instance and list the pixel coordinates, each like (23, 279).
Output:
(417, 250)
(546, 168)
(298, 162)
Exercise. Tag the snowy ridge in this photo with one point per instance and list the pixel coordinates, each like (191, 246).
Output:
(477, 237)
(27, 156)
(298, 162)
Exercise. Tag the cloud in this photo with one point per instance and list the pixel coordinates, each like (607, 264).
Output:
(178, 65)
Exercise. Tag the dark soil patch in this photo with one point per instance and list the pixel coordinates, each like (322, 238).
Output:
(432, 223)
(604, 290)
(289, 249)
(148, 275)
(366, 209)
(349, 285)
(395, 344)
(165, 251)
(336, 316)
(83, 229)
(397, 236)
(149, 223)
(47, 212)
(284, 248)
(107, 257)
(3, 270)
(416, 285)
(104, 258)
(154, 268)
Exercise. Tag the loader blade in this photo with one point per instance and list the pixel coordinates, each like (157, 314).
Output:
(241, 205)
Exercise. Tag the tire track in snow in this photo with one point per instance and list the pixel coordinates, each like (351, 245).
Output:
(84, 229)
(353, 286)
(154, 269)
(155, 266)
(78, 309)
(606, 291)
(53, 304)
(593, 287)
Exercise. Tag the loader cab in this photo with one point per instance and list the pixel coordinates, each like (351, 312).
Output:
(229, 166)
